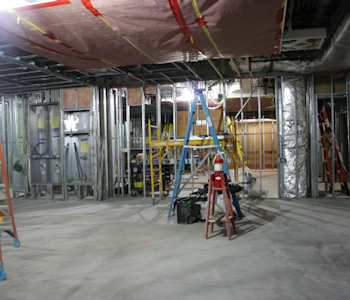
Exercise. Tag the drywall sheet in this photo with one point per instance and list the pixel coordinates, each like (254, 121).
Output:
(108, 33)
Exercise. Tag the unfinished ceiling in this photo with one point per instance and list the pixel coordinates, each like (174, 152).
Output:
(127, 42)
(96, 34)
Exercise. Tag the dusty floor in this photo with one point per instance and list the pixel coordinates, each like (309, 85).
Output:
(130, 249)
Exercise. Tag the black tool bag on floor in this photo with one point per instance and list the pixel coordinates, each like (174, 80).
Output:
(188, 211)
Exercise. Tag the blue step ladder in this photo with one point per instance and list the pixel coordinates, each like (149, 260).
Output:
(198, 93)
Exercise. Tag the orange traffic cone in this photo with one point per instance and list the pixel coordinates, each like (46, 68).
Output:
(2, 218)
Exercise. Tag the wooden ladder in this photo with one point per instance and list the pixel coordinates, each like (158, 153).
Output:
(228, 215)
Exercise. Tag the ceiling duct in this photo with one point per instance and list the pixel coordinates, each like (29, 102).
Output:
(337, 55)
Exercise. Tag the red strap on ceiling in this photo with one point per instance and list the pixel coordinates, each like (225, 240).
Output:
(54, 38)
(43, 5)
(175, 8)
(41, 46)
(88, 5)
(200, 21)
(278, 33)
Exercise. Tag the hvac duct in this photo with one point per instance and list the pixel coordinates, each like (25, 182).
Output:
(294, 137)
(337, 56)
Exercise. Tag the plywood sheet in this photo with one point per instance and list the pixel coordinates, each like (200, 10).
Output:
(135, 95)
(70, 98)
(151, 89)
(84, 97)
(251, 147)
(323, 84)
(339, 84)
(216, 116)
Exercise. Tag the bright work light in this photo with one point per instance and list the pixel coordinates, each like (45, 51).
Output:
(12, 4)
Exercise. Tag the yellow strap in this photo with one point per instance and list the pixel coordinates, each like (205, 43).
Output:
(104, 20)
(137, 48)
(35, 27)
(195, 6)
(19, 18)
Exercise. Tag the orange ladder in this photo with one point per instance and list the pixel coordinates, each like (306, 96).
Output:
(6, 209)
(326, 132)
(211, 217)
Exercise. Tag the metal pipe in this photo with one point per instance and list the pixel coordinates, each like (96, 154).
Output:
(224, 104)
(242, 117)
(144, 152)
(279, 117)
(259, 113)
(117, 138)
(254, 144)
(112, 134)
(251, 95)
(95, 120)
(105, 137)
(296, 139)
(207, 102)
(313, 140)
(128, 130)
(333, 137)
(264, 148)
(348, 117)
(273, 141)
(175, 127)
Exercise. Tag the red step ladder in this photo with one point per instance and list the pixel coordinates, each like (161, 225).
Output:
(228, 215)
(326, 136)
(6, 209)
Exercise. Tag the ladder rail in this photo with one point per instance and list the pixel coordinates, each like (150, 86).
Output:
(198, 93)
(8, 195)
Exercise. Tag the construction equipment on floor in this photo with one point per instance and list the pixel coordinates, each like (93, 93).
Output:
(326, 137)
(198, 93)
(7, 212)
(219, 182)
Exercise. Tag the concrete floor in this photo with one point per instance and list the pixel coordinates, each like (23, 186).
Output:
(130, 249)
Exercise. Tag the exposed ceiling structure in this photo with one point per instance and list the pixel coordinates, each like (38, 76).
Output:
(115, 43)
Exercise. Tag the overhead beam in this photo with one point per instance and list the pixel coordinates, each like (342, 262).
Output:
(150, 71)
(192, 70)
(249, 66)
(305, 34)
(235, 67)
(15, 82)
(38, 88)
(215, 68)
(46, 70)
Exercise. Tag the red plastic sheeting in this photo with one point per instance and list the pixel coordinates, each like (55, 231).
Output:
(146, 29)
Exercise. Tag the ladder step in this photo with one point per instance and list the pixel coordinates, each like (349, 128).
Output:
(9, 227)
(154, 126)
(4, 206)
(155, 170)
(217, 217)
(156, 184)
